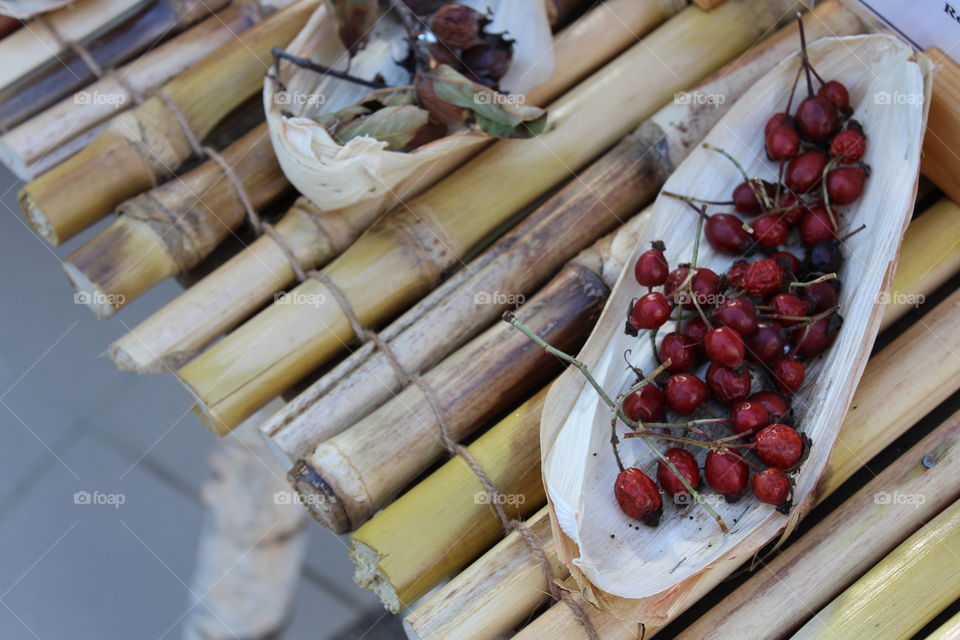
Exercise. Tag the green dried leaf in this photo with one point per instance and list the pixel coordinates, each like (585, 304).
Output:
(339, 118)
(394, 125)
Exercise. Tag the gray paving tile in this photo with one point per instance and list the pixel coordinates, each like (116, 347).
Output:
(330, 566)
(319, 616)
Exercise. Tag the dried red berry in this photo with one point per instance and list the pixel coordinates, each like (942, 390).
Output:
(764, 278)
(726, 234)
(726, 473)
(680, 350)
(697, 330)
(789, 262)
(815, 338)
(776, 120)
(837, 94)
(728, 385)
(745, 196)
(816, 119)
(777, 408)
(780, 446)
(782, 143)
(788, 375)
(638, 496)
(848, 146)
(651, 269)
(674, 279)
(845, 184)
(770, 230)
(749, 416)
(737, 272)
(725, 347)
(650, 311)
(804, 172)
(786, 306)
(772, 486)
(686, 464)
(767, 342)
(685, 393)
(817, 226)
(456, 25)
(646, 404)
(822, 295)
(792, 207)
(739, 314)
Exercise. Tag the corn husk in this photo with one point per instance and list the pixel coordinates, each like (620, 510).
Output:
(334, 175)
(644, 575)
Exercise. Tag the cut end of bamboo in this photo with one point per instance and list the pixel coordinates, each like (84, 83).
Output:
(37, 220)
(89, 293)
(319, 498)
(367, 574)
(14, 161)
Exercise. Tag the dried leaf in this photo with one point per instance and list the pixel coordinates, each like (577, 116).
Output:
(355, 19)
(394, 125)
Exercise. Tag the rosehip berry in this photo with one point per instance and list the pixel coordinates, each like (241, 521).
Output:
(845, 184)
(767, 342)
(726, 473)
(848, 146)
(823, 257)
(745, 196)
(775, 120)
(787, 261)
(696, 329)
(763, 279)
(680, 350)
(838, 96)
(770, 230)
(792, 207)
(782, 143)
(816, 119)
(780, 446)
(790, 306)
(728, 385)
(739, 314)
(685, 393)
(817, 226)
(725, 347)
(456, 25)
(777, 408)
(650, 311)
(651, 269)
(749, 416)
(815, 338)
(788, 374)
(646, 404)
(772, 486)
(638, 496)
(686, 464)
(822, 295)
(674, 279)
(705, 286)
(804, 172)
(726, 234)
(737, 272)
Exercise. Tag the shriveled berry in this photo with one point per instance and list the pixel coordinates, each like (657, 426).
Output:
(736, 273)
(638, 496)
(651, 268)
(726, 473)
(767, 342)
(804, 172)
(680, 350)
(816, 119)
(646, 404)
(737, 313)
(770, 230)
(845, 184)
(782, 143)
(685, 393)
(650, 311)
(813, 339)
(772, 486)
(725, 347)
(456, 25)
(764, 278)
(789, 262)
(786, 306)
(848, 146)
(748, 416)
(823, 257)
(726, 234)
(780, 446)
(788, 375)
(745, 196)
(686, 464)
(838, 96)
(777, 408)
(728, 385)
(817, 226)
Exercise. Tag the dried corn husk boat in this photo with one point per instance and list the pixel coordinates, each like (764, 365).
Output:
(645, 574)
(334, 175)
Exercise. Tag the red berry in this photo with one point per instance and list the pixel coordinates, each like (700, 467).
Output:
(745, 196)
(773, 487)
(737, 272)
(651, 269)
(650, 311)
(767, 342)
(777, 408)
(697, 330)
(817, 226)
(822, 295)
(686, 464)
(815, 338)
(848, 146)
(749, 416)
(782, 143)
(770, 230)
(680, 350)
(726, 234)
(674, 279)
(456, 25)
(792, 209)
(646, 404)
(787, 261)
(780, 446)
(737, 313)
(726, 473)
(764, 278)
(804, 172)
(728, 385)
(787, 304)
(685, 393)
(725, 347)
(838, 96)
(845, 184)
(788, 374)
(705, 285)
(638, 496)
(816, 119)
(776, 120)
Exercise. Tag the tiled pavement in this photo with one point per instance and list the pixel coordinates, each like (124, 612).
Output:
(69, 422)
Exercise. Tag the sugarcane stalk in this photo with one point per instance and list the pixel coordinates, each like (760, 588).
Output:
(172, 228)
(145, 145)
(607, 192)
(949, 630)
(69, 72)
(898, 387)
(404, 255)
(922, 570)
(868, 429)
(25, 144)
(939, 161)
(182, 328)
(395, 553)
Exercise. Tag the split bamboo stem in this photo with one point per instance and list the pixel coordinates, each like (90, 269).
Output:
(24, 145)
(608, 191)
(173, 335)
(172, 228)
(347, 478)
(388, 551)
(903, 592)
(144, 145)
(898, 388)
(839, 549)
(404, 255)
(68, 72)
(940, 162)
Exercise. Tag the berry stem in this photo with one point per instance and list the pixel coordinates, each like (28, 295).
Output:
(823, 278)
(758, 193)
(806, 60)
(310, 65)
(680, 196)
(826, 194)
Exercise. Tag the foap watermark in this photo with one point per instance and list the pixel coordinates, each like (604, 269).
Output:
(97, 498)
(897, 97)
(897, 498)
(482, 497)
(300, 298)
(699, 98)
(96, 97)
(295, 98)
(683, 499)
(899, 298)
(498, 297)
(685, 297)
(292, 497)
(493, 97)
(99, 298)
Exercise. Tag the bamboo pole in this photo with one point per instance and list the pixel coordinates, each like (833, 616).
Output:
(940, 162)
(903, 592)
(144, 145)
(172, 228)
(69, 72)
(949, 630)
(608, 191)
(388, 551)
(898, 387)
(24, 145)
(173, 335)
(404, 255)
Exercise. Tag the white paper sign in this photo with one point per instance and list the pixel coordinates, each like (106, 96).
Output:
(923, 23)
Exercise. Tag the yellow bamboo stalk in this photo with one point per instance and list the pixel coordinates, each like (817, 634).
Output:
(405, 255)
(940, 161)
(902, 592)
(949, 630)
(143, 146)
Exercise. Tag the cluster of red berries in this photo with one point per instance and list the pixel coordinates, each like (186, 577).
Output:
(765, 316)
